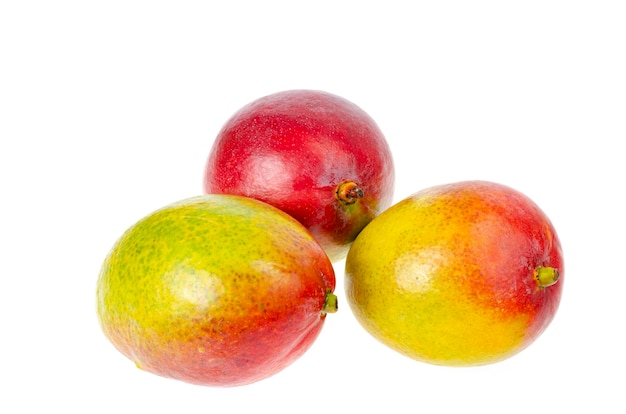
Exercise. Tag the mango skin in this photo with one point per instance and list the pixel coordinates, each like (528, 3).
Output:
(446, 276)
(214, 290)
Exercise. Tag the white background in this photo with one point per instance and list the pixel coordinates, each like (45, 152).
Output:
(108, 110)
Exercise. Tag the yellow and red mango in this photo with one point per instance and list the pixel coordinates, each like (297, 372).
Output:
(215, 290)
(462, 274)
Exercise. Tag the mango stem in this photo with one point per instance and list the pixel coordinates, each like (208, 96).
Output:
(330, 303)
(348, 192)
(546, 276)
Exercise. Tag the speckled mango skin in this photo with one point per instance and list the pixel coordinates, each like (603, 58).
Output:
(214, 290)
(446, 276)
